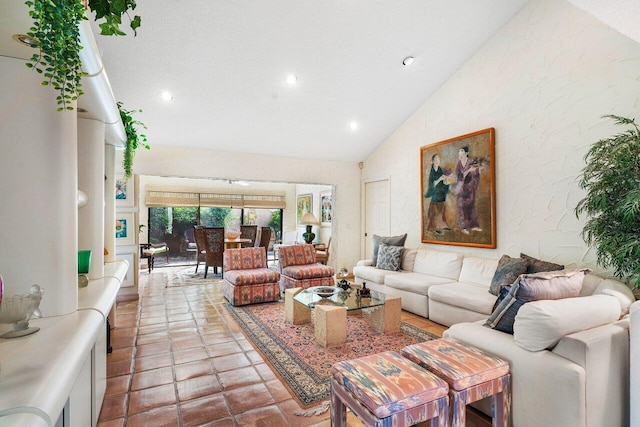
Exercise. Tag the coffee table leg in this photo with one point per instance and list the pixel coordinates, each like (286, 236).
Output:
(330, 325)
(386, 318)
(295, 312)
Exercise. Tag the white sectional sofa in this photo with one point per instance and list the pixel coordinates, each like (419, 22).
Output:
(446, 287)
(581, 379)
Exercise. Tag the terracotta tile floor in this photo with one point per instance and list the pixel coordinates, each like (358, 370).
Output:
(180, 359)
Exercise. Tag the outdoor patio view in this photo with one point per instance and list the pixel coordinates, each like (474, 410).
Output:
(174, 226)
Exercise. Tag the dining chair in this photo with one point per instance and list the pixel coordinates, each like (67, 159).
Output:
(249, 232)
(265, 238)
(201, 245)
(214, 240)
(322, 252)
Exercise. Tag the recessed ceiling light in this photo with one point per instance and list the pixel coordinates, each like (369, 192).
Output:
(26, 40)
(291, 79)
(166, 95)
(353, 125)
(408, 60)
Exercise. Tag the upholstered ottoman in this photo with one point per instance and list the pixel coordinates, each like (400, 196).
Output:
(471, 374)
(247, 280)
(387, 390)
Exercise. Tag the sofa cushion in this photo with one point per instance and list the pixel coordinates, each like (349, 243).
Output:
(540, 325)
(537, 266)
(507, 272)
(408, 259)
(619, 290)
(438, 263)
(389, 257)
(414, 282)
(534, 287)
(389, 240)
(372, 274)
(469, 296)
(477, 270)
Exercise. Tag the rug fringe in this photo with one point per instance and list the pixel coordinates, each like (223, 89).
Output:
(317, 410)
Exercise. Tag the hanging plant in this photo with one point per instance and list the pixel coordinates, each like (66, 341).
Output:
(112, 12)
(612, 204)
(135, 139)
(56, 27)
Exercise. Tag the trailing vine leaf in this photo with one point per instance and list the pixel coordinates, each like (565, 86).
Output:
(112, 12)
(135, 139)
(611, 179)
(56, 27)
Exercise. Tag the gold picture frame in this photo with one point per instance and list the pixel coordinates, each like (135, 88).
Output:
(458, 192)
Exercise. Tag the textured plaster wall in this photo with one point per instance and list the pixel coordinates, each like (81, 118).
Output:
(345, 176)
(543, 81)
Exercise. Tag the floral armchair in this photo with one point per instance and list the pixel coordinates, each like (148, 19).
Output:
(299, 268)
(246, 278)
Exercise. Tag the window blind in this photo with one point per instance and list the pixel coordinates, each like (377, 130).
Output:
(158, 198)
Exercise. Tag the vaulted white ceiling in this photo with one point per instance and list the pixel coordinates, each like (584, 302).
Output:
(225, 63)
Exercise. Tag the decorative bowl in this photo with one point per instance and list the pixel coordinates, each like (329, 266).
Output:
(18, 309)
(232, 234)
(324, 291)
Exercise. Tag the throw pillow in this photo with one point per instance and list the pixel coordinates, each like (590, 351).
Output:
(389, 240)
(619, 290)
(507, 272)
(534, 287)
(541, 324)
(537, 266)
(389, 257)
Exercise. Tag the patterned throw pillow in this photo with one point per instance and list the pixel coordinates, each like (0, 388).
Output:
(537, 266)
(533, 287)
(507, 272)
(389, 240)
(389, 257)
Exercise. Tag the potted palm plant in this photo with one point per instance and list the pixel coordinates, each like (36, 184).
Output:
(611, 180)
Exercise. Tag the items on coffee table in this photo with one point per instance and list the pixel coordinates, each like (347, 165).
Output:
(471, 374)
(387, 390)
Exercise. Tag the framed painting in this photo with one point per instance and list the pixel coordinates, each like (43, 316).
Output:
(124, 192)
(303, 205)
(326, 208)
(458, 189)
(125, 229)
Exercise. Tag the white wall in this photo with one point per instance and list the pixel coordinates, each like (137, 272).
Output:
(38, 176)
(543, 81)
(345, 176)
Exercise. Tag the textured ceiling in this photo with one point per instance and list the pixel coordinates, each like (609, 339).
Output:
(225, 63)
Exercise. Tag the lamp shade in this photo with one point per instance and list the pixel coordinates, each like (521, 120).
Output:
(309, 219)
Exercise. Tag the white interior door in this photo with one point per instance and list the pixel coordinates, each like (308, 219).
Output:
(376, 212)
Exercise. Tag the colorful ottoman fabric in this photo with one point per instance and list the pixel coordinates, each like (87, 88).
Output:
(300, 269)
(388, 390)
(471, 374)
(247, 280)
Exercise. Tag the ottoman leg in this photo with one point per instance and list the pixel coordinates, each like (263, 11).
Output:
(501, 405)
(338, 410)
(458, 408)
(442, 420)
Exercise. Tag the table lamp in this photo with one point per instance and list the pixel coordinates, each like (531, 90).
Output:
(309, 220)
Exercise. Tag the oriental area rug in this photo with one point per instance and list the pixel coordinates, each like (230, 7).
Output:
(302, 364)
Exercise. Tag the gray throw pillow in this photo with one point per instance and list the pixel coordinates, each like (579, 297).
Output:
(389, 257)
(507, 272)
(534, 287)
(389, 240)
(537, 266)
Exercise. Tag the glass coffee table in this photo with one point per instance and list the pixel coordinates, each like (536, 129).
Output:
(331, 306)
